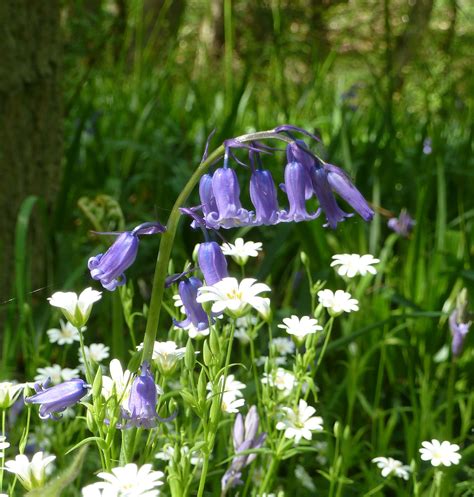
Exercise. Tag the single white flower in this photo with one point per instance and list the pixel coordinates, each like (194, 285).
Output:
(242, 336)
(337, 302)
(281, 379)
(66, 334)
(300, 327)
(352, 264)
(299, 423)
(391, 466)
(32, 474)
(167, 454)
(232, 395)
(278, 361)
(179, 303)
(76, 309)
(95, 352)
(131, 481)
(56, 373)
(228, 294)
(166, 355)
(9, 392)
(437, 452)
(119, 381)
(3, 445)
(240, 251)
(304, 478)
(283, 346)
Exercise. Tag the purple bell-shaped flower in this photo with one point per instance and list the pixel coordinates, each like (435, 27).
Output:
(264, 198)
(195, 315)
(109, 268)
(212, 262)
(57, 398)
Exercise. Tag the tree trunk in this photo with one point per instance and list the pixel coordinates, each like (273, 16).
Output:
(30, 123)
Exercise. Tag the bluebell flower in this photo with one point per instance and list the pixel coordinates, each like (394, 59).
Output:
(403, 224)
(109, 268)
(208, 200)
(264, 198)
(229, 212)
(427, 146)
(459, 323)
(296, 181)
(58, 398)
(142, 401)
(212, 262)
(244, 437)
(195, 315)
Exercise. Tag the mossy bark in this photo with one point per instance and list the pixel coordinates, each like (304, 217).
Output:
(30, 123)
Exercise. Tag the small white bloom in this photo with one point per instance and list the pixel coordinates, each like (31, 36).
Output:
(352, 264)
(232, 396)
(337, 302)
(95, 352)
(281, 379)
(304, 478)
(166, 355)
(179, 303)
(242, 336)
(392, 466)
(32, 474)
(76, 309)
(3, 445)
(167, 453)
(437, 452)
(9, 392)
(283, 346)
(56, 373)
(231, 404)
(300, 423)
(131, 481)
(67, 334)
(278, 361)
(119, 381)
(300, 328)
(228, 294)
(240, 251)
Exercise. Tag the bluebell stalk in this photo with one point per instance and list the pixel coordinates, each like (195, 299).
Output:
(109, 268)
(244, 438)
(296, 181)
(226, 190)
(195, 315)
(212, 262)
(58, 398)
(264, 198)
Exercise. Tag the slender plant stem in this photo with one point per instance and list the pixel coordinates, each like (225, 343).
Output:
(168, 236)
(4, 411)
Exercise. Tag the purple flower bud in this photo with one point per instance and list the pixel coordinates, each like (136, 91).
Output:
(195, 315)
(334, 214)
(427, 146)
(264, 198)
(142, 400)
(109, 268)
(296, 182)
(226, 190)
(343, 186)
(58, 398)
(212, 262)
(459, 331)
(244, 438)
(403, 225)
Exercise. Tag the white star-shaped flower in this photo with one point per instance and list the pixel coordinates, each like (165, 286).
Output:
(300, 327)
(240, 251)
(9, 392)
(76, 309)
(351, 265)
(281, 379)
(232, 396)
(283, 346)
(391, 466)
(166, 354)
(437, 452)
(56, 373)
(66, 334)
(337, 302)
(300, 423)
(236, 298)
(119, 381)
(32, 474)
(96, 352)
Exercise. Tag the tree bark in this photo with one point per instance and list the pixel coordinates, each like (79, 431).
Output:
(30, 123)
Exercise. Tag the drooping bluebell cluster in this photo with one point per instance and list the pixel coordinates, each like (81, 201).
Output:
(305, 176)
(58, 398)
(244, 437)
(109, 268)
